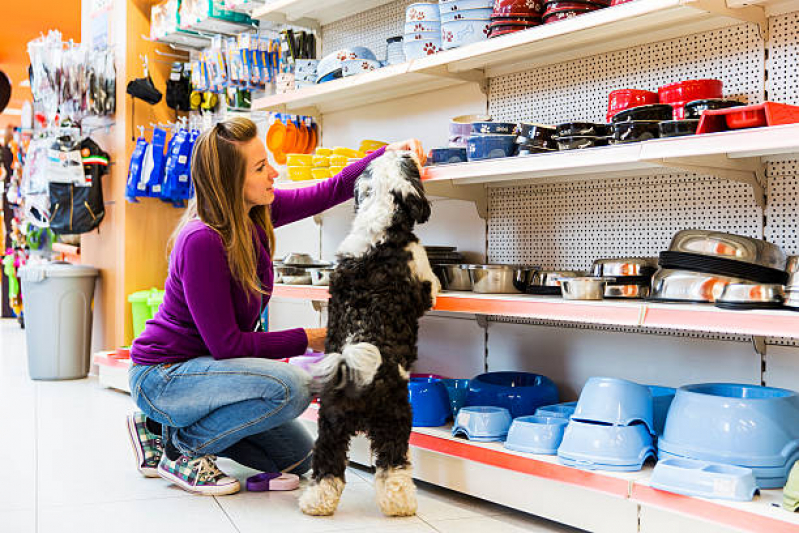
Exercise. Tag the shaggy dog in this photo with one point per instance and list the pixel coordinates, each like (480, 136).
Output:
(381, 287)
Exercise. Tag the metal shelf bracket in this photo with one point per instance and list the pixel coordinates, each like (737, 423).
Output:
(471, 193)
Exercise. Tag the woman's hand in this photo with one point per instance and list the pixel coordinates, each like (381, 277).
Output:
(412, 145)
(316, 338)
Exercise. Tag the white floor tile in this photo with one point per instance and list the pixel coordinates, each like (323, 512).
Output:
(440, 504)
(514, 523)
(18, 521)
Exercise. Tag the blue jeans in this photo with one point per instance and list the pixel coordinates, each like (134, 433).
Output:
(244, 409)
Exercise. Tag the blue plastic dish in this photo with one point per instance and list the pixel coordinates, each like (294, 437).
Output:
(492, 128)
(742, 425)
(445, 156)
(536, 434)
(491, 146)
(661, 401)
(457, 389)
(615, 401)
(482, 424)
(521, 393)
(429, 402)
(559, 410)
(704, 479)
(594, 446)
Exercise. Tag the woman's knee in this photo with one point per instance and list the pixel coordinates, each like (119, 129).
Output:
(298, 390)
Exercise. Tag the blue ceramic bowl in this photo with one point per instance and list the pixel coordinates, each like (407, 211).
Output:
(536, 434)
(424, 26)
(422, 48)
(444, 156)
(521, 393)
(429, 402)
(481, 14)
(606, 447)
(661, 399)
(459, 5)
(457, 389)
(741, 425)
(462, 32)
(615, 401)
(482, 424)
(490, 146)
(492, 128)
(559, 410)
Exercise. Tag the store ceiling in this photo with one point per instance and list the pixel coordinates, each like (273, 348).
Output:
(21, 22)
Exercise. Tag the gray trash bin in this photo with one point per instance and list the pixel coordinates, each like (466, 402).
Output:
(58, 318)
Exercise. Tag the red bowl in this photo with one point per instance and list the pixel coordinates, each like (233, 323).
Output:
(532, 16)
(619, 2)
(497, 33)
(622, 99)
(525, 24)
(549, 18)
(577, 4)
(518, 6)
(686, 91)
(569, 5)
(752, 118)
(551, 12)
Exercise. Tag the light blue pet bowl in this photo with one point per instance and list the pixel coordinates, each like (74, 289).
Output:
(704, 479)
(559, 410)
(615, 401)
(536, 434)
(482, 424)
(521, 393)
(604, 447)
(742, 425)
(661, 401)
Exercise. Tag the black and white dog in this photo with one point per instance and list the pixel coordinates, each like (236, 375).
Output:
(381, 287)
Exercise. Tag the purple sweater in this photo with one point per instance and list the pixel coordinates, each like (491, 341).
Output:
(205, 312)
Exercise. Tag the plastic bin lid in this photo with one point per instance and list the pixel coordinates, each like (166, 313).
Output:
(140, 296)
(39, 272)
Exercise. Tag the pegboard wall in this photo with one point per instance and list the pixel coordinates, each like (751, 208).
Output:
(369, 29)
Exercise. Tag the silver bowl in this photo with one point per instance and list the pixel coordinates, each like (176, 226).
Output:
(624, 266)
(631, 291)
(499, 279)
(729, 246)
(320, 275)
(760, 293)
(298, 259)
(687, 286)
(455, 277)
(585, 288)
(551, 278)
(289, 275)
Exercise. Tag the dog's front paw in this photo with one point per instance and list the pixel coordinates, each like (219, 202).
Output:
(396, 493)
(435, 290)
(321, 497)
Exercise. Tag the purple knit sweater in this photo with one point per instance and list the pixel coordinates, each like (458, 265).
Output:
(205, 312)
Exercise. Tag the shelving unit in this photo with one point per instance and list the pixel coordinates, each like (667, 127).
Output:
(312, 13)
(605, 30)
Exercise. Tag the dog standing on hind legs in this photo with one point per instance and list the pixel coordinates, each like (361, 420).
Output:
(381, 287)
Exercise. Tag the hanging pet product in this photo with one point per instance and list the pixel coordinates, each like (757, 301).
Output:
(143, 88)
(135, 168)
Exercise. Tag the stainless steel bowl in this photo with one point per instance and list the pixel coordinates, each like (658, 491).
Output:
(632, 291)
(686, 286)
(321, 275)
(289, 275)
(551, 278)
(499, 279)
(730, 246)
(584, 288)
(296, 259)
(793, 264)
(455, 277)
(625, 266)
(761, 293)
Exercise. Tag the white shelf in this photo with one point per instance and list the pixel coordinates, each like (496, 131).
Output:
(313, 13)
(606, 30)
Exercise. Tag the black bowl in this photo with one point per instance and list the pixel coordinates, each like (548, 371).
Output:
(577, 142)
(678, 128)
(534, 132)
(694, 109)
(636, 131)
(572, 129)
(645, 112)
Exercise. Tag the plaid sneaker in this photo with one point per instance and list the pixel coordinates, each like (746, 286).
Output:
(147, 446)
(200, 475)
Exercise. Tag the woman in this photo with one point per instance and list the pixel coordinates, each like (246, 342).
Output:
(203, 377)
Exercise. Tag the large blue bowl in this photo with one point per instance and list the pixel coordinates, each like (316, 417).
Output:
(458, 390)
(615, 401)
(521, 393)
(429, 402)
(606, 447)
(536, 434)
(741, 425)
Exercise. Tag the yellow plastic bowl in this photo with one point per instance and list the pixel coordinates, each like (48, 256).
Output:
(327, 152)
(321, 161)
(338, 160)
(320, 173)
(335, 170)
(300, 173)
(369, 144)
(346, 152)
(299, 160)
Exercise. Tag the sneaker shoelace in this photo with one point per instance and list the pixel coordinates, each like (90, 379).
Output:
(206, 468)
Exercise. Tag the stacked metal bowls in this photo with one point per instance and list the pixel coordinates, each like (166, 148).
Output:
(632, 276)
(302, 269)
(446, 262)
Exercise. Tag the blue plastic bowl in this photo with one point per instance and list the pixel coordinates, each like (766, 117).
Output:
(429, 402)
(605, 447)
(457, 389)
(740, 425)
(661, 400)
(445, 156)
(521, 393)
(615, 401)
(704, 479)
(560, 410)
(491, 146)
(536, 434)
(482, 424)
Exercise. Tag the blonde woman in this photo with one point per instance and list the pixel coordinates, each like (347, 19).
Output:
(204, 379)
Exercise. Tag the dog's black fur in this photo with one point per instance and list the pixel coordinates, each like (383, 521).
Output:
(375, 299)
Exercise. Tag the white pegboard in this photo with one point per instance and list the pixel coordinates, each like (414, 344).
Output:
(370, 29)
(578, 90)
(783, 82)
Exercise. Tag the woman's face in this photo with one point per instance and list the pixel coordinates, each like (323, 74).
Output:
(259, 183)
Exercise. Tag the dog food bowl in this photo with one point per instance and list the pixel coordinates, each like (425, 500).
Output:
(320, 275)
(499, 279)
(422, 48)
(675, 285)
(559, 410)
(615, 401)
(427, 26)
(458, 390)
(593, 446)
(742, 425)
(645, 112)
(457, 33)
(454, 277)
(447, 6)
(790, 494)
(536, 434)
(352, 67)
(584, 288)
(534, 133)
(661, 401)
(730, 246)
(491, 146)
(624, 267)
(695, 108)
(482, 15)
(422, 11)
(446, 156)
(429, 402)
(493, 128)
(622, 99)
(635, 131)
(572, 129)
(704, 479)
(678, 128)
(482, 424)
(521, 393)
(758, 296)
(580, 142)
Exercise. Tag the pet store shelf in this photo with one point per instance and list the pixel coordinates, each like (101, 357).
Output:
(602, 31)
(313, 13)
(112, 372)
(694, 317)
(592, 500)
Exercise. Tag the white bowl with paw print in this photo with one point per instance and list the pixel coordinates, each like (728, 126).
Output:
(421, 48)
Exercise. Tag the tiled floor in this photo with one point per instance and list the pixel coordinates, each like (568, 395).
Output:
(68, 467)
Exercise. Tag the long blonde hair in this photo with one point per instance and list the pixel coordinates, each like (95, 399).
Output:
(218, 169)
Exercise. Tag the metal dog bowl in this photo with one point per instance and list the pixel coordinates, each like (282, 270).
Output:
(584, 288)
(499, 279)
(745, 296)
(320, 275)
(671, 285)
(729, 246)
(455, 277)
(624, 266)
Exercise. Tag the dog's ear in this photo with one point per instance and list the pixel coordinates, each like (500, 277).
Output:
(415, 204)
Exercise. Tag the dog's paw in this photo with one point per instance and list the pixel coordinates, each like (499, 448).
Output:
(396, 492)
(321, 497)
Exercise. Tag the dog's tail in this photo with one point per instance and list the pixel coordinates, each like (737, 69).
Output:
(354, 367)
